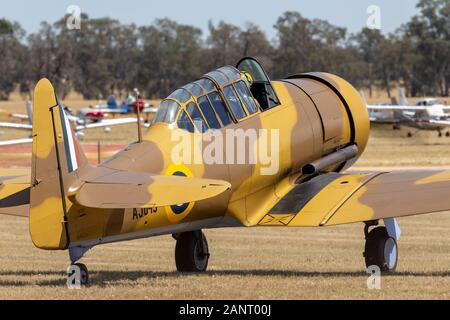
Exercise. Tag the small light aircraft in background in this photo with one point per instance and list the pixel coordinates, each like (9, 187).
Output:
(323, 128)
(426, 114)
(86, 119)
(129, 105)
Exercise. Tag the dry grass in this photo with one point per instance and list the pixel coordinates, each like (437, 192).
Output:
(392, 148)
(258, 263)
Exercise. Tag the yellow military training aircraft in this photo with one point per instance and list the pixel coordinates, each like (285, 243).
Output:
(322, 125)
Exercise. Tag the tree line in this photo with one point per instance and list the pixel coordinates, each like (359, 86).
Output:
(105, 56)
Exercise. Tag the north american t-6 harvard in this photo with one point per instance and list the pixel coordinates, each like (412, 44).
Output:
(321, 125)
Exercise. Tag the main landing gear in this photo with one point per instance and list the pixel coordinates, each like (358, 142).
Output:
(381, 245)
(191, 251)
(412, 134)
(440, 134)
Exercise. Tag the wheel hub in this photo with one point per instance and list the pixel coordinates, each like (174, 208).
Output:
(390, 253)
(201, 254)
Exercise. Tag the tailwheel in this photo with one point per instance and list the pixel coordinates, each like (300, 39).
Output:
(191, 252)
(381, 250)
(84, 273)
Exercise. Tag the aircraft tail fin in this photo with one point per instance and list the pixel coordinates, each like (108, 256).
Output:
(56, 159)
(29, 107)
(402, 97)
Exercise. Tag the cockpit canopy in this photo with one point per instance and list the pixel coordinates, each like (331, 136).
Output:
(428, 102)
(217, 99)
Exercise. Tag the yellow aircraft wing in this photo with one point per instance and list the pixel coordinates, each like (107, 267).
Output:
(332, 199)
(123, 189)
(15, 192)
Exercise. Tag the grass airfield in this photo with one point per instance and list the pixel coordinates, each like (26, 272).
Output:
(256, 263)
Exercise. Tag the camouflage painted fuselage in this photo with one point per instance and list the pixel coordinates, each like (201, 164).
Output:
(319, 113)
(142, 191)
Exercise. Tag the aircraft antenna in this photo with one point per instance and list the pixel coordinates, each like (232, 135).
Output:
(138, 114)
(99, 156)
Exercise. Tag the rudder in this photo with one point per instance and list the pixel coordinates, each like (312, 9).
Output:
(56, 157)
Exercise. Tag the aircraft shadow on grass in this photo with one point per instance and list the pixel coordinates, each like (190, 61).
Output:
(103, 278)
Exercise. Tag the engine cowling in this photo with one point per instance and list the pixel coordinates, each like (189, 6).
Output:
(343, 113)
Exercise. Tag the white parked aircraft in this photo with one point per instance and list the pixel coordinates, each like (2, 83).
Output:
(427, 114)
(83, 121)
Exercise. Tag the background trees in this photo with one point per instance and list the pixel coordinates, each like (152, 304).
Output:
(106, 56)
(430, 37)
(12, 57)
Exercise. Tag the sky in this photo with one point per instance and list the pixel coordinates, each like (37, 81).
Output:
(264, 13)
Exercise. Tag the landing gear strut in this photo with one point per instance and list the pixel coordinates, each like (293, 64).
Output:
(412, 134)
(380, 249)
(191, 252)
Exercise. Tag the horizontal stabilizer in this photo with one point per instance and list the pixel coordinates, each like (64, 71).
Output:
(13, 125)
(106, 123)
(15, 142)
(122, 189)
(14, 192)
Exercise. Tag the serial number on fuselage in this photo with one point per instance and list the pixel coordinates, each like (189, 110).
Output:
(139, 213)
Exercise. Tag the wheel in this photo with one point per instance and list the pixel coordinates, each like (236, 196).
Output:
(84, 273)
(381, 250)
(439, 134)
(447, 134)
(409, 135)
(191, 252)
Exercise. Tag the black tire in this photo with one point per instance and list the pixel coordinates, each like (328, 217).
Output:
(84, 273)
(191, 252)
(378, 244)
(409, 135)
(447, 134)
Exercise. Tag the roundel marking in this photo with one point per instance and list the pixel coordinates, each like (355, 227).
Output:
(178, 212)
(179, 208)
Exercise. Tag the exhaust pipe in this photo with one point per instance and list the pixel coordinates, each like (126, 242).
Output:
(334, 158)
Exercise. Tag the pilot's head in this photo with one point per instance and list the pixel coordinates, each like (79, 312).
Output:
(248, 76)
